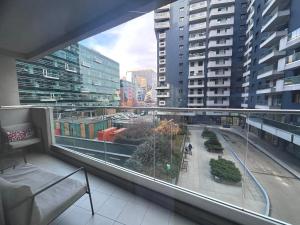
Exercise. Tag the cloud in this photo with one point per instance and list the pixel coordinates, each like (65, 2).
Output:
(132, 44)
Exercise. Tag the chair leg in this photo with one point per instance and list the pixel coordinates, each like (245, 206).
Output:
(89, 191)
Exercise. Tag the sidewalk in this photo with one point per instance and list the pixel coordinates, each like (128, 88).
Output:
(283, 158)
(198, 177)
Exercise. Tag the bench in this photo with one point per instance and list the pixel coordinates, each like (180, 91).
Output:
(184, 165)
(19, 136)
(30, 195)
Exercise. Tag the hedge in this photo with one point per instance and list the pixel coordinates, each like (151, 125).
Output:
(213, 145)
(225, 170)
(208, 134)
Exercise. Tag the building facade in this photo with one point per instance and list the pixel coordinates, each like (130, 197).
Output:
(272, 48)
(127, 93)
(200, 48)
(74, 76)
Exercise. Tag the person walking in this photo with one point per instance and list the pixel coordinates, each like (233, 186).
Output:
(190, 148)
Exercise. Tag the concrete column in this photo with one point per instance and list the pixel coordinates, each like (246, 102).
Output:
(9, 94)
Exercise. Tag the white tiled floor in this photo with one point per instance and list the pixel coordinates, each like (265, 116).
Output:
(112, 204)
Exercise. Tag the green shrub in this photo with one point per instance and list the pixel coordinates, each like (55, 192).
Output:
(213, 145)
(208, 134)
(225, 170)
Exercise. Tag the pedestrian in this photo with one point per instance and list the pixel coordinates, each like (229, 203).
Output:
(190, 148)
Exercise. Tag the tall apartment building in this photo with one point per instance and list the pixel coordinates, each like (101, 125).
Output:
(200, 49)
(75, 76)
(272, 55)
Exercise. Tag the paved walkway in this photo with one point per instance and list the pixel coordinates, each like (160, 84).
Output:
(198, 177)
(285, 159)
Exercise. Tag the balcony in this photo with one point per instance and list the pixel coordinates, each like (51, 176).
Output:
(196, 85)
(219, 23)
(249, 39)
(213, 103)
(199, 6)
(218, 83)
(272, 4)
(276, 20)
(290, 62)
(247, 73)
(196, 56)
(271, 56)
(244, 105)
(163, 87)
(197, 37)
(291, 83)
(219, 44)
(218, 94)
(290, 41)
(161, 78)
(162, 44)
(215, 12)
(197, 47)
(162, 35)
(245, 84)
(163, 9)
(220, 54)
(161, 16)
(197, 27)
(161, 61)
(163, 95)
(248, 51)
(221, 33)
(162, 25)
(162, 70)
(250, 26)
(196, 76)
(273, 39)
(162, 103)
(162, 53)
(198, 17)
(195, 95)
(212, 73)
(247, 62)
(195, 104)
(219, 63)
(268, 71)
(220, 3)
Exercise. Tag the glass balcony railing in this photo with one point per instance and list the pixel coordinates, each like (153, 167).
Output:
(293, 58)
(292, 80)
(224, 162)
(293, 35)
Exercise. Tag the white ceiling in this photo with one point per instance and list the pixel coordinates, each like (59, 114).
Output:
(34, 28)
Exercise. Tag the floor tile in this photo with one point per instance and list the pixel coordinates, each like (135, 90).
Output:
(112, 208)
(156, 215)
(77, 216)
(100, 220)
(176, 219)
(98, 199)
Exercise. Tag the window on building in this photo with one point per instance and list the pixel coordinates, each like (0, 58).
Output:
(181, 19)
(180, 28)
(181, 9)
(180, 46)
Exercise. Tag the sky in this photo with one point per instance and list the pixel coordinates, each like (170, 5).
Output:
(132, 44)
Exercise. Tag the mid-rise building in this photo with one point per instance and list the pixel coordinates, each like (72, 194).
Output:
(199, 45)
(127, 93)
(74, 76)
(272, 48)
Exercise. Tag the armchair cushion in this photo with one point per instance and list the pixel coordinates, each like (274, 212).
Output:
(19, 132)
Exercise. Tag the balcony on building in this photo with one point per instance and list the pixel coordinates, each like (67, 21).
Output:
(247, 72)
(197, 17)
(250, 27)
(270, 5)
(275, 20)
(159, 16)
(218, 93)
(244, 105)
(195, 103)
(217, 102)
(161, 78)
(271, 56)
(196, 84)
(162, 61)
(219, 63)
(198, 75)
(290, 62)
(163, 87)
(248, 51)
(249, 38)
(221, 32)
(163, 94)
(220, 53)
(197, 46)
(197, 26)
(226, 11)
(162, 70)
(196, 56)
(197, 36)
(291, 83)
(198, 6)
(245, 84)
(162, 25)
(218, 83)
(162, 35)
(247, 62)
(222, 43)
(221, 22)
(268, 71)
(266, 88)
(250, 5)
(161, 102)
(273, 38)
(250, 15)
(195, 94)
(220, 3)
(219, 73)
(291, 41)
(162, 44)
(162, 53)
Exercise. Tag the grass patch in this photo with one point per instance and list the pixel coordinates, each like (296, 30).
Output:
(225, 170)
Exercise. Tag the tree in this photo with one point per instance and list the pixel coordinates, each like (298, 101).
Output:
(165, 127)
